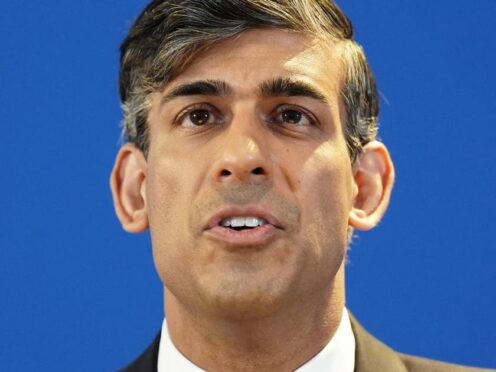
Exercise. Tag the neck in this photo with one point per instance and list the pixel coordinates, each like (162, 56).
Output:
(280, 341)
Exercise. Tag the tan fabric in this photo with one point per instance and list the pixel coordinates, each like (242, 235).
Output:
(373, 356)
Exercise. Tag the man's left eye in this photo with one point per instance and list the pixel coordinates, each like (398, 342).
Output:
(293, 116)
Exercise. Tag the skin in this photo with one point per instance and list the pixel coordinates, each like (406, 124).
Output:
(274, 304)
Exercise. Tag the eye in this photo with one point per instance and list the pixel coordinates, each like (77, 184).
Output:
(288, 115)
(199, 115)
(291, 116)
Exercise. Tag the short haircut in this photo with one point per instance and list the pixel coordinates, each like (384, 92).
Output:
(168, 34)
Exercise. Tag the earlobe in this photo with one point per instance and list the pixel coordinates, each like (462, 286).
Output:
(127, 183)
(374, 178)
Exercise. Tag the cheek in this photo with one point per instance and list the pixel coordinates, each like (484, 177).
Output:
(167, 213)
(325, 200)
(325, 180)
(171, 180)
(162, 186)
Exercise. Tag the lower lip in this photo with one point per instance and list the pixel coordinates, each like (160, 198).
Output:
(250, 237)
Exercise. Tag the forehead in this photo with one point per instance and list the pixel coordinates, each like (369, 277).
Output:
(258, 55)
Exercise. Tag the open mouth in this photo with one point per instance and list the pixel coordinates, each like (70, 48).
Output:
(238, 230)
(243, 226)
(240, 223)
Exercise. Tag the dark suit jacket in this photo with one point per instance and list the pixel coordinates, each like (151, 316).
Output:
(371, 356)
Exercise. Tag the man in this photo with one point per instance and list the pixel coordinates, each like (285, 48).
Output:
(252, 156)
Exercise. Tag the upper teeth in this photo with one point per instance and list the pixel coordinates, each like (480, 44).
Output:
(243, 221)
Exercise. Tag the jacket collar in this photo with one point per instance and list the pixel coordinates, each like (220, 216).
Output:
(371, 355)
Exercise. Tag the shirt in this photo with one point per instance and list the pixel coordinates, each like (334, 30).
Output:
(337, 355)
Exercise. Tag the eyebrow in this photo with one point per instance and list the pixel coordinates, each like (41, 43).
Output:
(287, 87)
(198, 88)
(280, 87)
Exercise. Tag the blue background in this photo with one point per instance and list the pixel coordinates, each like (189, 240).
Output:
(78, 293)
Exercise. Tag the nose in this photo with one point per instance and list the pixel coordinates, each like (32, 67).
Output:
(244, 154)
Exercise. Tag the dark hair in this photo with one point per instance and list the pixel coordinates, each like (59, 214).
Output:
(169, 33)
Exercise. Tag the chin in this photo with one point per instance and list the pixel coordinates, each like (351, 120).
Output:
(247, 297)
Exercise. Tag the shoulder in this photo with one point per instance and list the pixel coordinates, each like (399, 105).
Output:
(371, 355)
(417, 364)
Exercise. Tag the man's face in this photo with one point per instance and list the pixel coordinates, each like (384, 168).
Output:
(250, 134)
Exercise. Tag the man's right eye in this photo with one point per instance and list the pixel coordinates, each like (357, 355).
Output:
(198, 115)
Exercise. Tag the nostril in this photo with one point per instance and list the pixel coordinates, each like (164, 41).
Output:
(225, 173)
(258, 171)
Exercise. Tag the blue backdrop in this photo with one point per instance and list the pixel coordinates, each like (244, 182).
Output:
(78, 294)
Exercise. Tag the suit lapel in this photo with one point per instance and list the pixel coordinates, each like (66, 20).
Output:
(371, 355)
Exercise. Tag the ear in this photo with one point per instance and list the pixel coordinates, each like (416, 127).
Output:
(127, 183)
(373, 182)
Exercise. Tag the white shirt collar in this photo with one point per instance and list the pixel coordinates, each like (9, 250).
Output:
(337, 355)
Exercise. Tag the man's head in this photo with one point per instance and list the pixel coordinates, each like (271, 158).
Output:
(251, 154)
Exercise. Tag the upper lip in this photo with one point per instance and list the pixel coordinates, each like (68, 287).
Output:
(241, 211)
